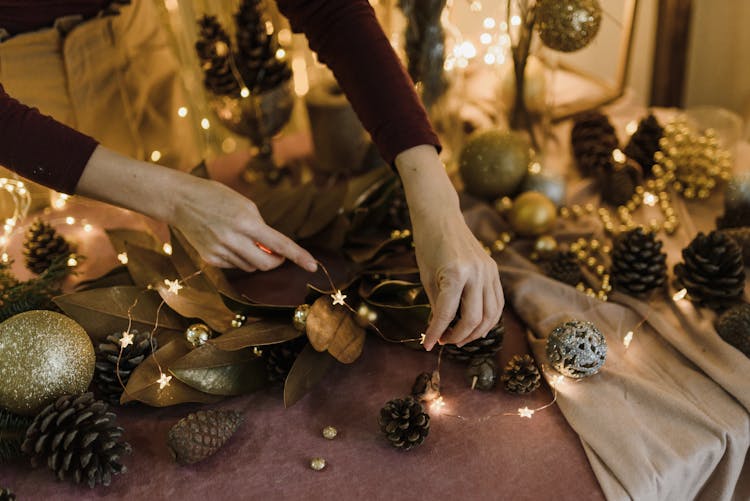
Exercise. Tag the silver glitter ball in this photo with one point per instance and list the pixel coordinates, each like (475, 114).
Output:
(576, 349)
(317, 464)
(330, 432)
(300, 317)
(198, 334)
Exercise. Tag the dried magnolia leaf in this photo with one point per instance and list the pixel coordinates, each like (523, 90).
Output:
(333, 329)
(148, 267)
(401, 322)
(143, 385)
(200, 170)
(104, 311)
(333, 236)
(362, 187)
(324, 210)
(274, 209)
(398, 293)
(114, 277)
(194, 303)
(260, 333)
(369, 253)
(118, 237)
(308, 370)
(187, 261)
(218, 372)
(296, 216)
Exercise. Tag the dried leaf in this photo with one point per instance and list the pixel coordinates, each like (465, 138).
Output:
(260, 333)
(308, 370)
(332, 328)
(324, 210)
(401, 322)
(274, 209)
(362, 187)
(333, 236)
(118, 237)
(200, 170)
(148, 267)
(218, 372)
(398, 293)
(104, 311)
(116, 276)
(369, 253)
(143, 384)
(187, 261)
(297, 214)
(194, 303)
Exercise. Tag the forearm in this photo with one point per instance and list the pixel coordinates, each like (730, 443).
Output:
(429, 192)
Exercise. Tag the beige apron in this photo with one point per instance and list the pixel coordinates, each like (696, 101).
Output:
(114, 78)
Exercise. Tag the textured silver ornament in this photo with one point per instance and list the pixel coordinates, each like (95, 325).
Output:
(198, 334)
(568, 25)
(576, 349)
(300, 317)
(317, 464)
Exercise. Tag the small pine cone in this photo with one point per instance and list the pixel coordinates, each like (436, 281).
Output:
(201, 434)
(593, 139)
(76, 437)
(481, 373)
(42, 246)
(280, 357)
(563, 266)
(256, 50)
(214, 52)
(618, 181)
(106, 368)
(7, 495)
(644, 143)
(712, 270)
(404, 423)
(734, 217)
(521, 376)
(638, 264)
(734, 327)
(485, 346)
(12, 432)
(741, 235)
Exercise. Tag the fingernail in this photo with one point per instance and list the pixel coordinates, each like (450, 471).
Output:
(312, 267)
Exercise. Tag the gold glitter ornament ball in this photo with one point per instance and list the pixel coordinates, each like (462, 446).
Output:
(568, 25)
(533, 214)
(493, 163)
(43, 355)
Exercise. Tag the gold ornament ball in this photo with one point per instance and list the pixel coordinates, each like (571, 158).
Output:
(568, 25)
(532, 214)
(545, 245)
(300, 317)
(365, 316)
(43, 355)
(317, 464)
(198, 334)
(493, 163)
(329, 432)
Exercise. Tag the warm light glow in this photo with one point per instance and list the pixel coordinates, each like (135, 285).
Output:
(123, 257)
(475, 6)
(437, 405)
(284, 36)
(631, 127)
(488, 23)
(679, 295)
(299, 73)
(155, 155)
(244, 92)
(557, 381)
(173, 286)
(627, 339)
(70, 220)
(87, 228)
(59, 200)
(515, 20)
(167, 248)
(126, 340)
(422, 337)
(525, 412)
(535, 168)
(465, 49)
(618, 155)
(72, 261)
(228, 145)
(182, 111)
(4, 258)
(338, 298)
(3, 240)
(489, 59)
(280, 54)
(163, 381)
(205, 124)
(269, 28)
(485, 38)
(172, 5)
(650, 199)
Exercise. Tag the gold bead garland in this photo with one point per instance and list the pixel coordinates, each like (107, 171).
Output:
(591, 254)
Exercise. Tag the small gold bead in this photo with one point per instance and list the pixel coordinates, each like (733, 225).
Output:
(600, 270)
(606, 249)
(591, 261)
(580, 286)
(498, 246)
(606, 288)
(330, 432)
(605, 279)
(581, 255)
(639, 190)
(574, 247)
(594, 244)
(504, 204)
(564, 212)
(589, 208)
(577, 210)
(506, 237)
(317, 464)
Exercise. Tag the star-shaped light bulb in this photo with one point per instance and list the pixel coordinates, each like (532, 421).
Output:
(338, 298)
(627, 339)
(173, 286)
(422, 337)
(126, 340)
(163, 381)
(526, 412)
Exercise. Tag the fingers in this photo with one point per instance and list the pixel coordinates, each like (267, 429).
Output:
(284, 246)
(249, 255)
(472, 309)
(444, 310)
(490, 318)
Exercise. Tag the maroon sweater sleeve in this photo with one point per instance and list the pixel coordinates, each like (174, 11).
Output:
(348, 39)
(39, 148)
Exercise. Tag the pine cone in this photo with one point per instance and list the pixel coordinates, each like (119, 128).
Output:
(280, 357)
(521, 376)
(42, 246)
(741, 235)
(256, 50)
(106, 370)
(214, 51)
(404, 423)
(563, 266)
(488, 345)
(618, 181)
(201, 434)
(734, 327)
(644, 143)
(712, 270)
(734, 217)
(12, 432)
(638, 264)
(76, 436)
(481, 373)
(593, 139)
(6, 495)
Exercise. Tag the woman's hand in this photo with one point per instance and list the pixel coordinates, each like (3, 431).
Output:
(222, 225)
(454, 268)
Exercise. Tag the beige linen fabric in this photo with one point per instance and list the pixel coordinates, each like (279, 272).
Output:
(114, 78)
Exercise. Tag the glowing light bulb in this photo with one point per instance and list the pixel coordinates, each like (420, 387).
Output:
(535, 168)
(163, 381)
(167, 248)
(679, 295)
(5, 258)
(627, 339)
(485, 38)
(280, 54)
(155, 155)
(631, 127)
(87, 228)
(182, 112)
(72, 261)
(488, 23)
(489, 59)
(123, 257)
(618, 155)
(515, 20)
(650, 199)
(205, 124)
(244, 92)
(70, 220)
(525, 412)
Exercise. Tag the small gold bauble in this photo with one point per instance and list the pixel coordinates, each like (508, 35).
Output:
(198, 334)
(503, 204)
(317, 464)
(300, 317)
(532, 214)
(330, 432)
(365, 316)
(545, 245)
(43, 355)
(493, 163)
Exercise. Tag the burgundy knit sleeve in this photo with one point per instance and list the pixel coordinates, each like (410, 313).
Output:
(348, 39)
(39, 148)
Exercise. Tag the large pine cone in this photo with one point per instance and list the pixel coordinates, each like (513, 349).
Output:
(12, 432)
(280, 357)
(201, 434)
(42, 246)
(76, 436)
(741, 235)
(256, 50)
(638, 264)
(593, 139)
(7, 495)
(485, 346)
(618, 181)
(404, 423)
(712, 270)
(521, 375)
(644, 143)
(214, 52)
(734, 327)
(106, 369)
(563, 266)
(734, 217)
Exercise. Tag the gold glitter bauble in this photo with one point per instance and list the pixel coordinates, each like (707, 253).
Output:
(330, 432)
(532, 214)
(493, 163)
(43, 355)
(300, 317)
(568, 25)
(317, 464)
